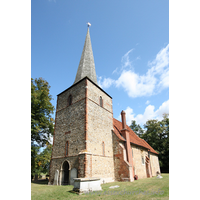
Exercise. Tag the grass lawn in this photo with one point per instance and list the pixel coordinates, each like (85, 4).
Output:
(149, 188)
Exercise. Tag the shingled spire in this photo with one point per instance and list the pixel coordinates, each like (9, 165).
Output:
(86, 66)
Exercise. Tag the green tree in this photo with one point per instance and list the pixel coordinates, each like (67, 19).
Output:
(44, 159)
(42, 125)
(136, 128)
(41, 110)
(40, 161)
(157, 136)
(34, 152)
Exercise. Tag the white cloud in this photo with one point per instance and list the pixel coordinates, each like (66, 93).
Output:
(149, 113)
(163, 109)
(136, 85)
(106, 83)
(129, 115)
(161, 60)
(147, 102)
(126, 61)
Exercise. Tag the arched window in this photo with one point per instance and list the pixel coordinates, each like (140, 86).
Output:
(69, 100)
(103, 148)
(101, 101)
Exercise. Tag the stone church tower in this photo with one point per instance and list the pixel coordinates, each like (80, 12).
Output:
(88, 142)
(82, 145)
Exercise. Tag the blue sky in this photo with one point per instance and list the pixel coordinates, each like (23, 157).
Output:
(130, 41)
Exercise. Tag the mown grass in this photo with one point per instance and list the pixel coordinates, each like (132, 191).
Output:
(149, 188)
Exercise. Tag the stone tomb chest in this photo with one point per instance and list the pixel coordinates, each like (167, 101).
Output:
(83, 185)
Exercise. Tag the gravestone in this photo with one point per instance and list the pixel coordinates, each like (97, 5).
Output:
(159, 176)
(85, 185)
(56, 178)
(73, 175)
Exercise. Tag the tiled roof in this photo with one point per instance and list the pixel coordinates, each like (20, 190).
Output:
(117, 126)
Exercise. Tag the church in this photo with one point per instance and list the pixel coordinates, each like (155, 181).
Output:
(88, 141)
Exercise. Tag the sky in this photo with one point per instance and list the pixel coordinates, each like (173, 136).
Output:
(130, 42)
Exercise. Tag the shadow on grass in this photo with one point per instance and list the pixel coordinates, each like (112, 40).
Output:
(73, 192)
(42, 181)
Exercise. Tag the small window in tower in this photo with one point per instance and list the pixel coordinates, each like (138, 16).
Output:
(69, 100)
(132, 152)
(66, 148)
(101, 101)
(103, 148)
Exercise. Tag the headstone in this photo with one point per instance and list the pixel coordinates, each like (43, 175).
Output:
(159, 176)
(56, 178)
(73, 175)
(85, 185)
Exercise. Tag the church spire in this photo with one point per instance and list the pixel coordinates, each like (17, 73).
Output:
(86, 65)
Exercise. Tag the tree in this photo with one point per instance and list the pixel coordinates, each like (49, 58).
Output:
(41, 126)
(40, 161)
(34, 152)
(157, 136)
(41, 110)
(44, 159)
(136, 128)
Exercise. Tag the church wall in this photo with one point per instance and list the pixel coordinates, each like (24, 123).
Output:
(100, 121)
(99, 135)
(121, 166)
(57, 163)
(154, 164)
(102, 167)
(70, 122)
(139, 167)
(69, 125)
(77, 91)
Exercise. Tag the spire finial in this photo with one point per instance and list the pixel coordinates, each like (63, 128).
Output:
(88, 24)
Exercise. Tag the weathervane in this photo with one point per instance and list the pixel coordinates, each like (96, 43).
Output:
(88, 24)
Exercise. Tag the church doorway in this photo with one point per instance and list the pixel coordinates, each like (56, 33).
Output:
(65, 173)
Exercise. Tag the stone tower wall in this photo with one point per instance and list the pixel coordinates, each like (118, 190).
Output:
(70, 122)
(100, 124)
(69, 128)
